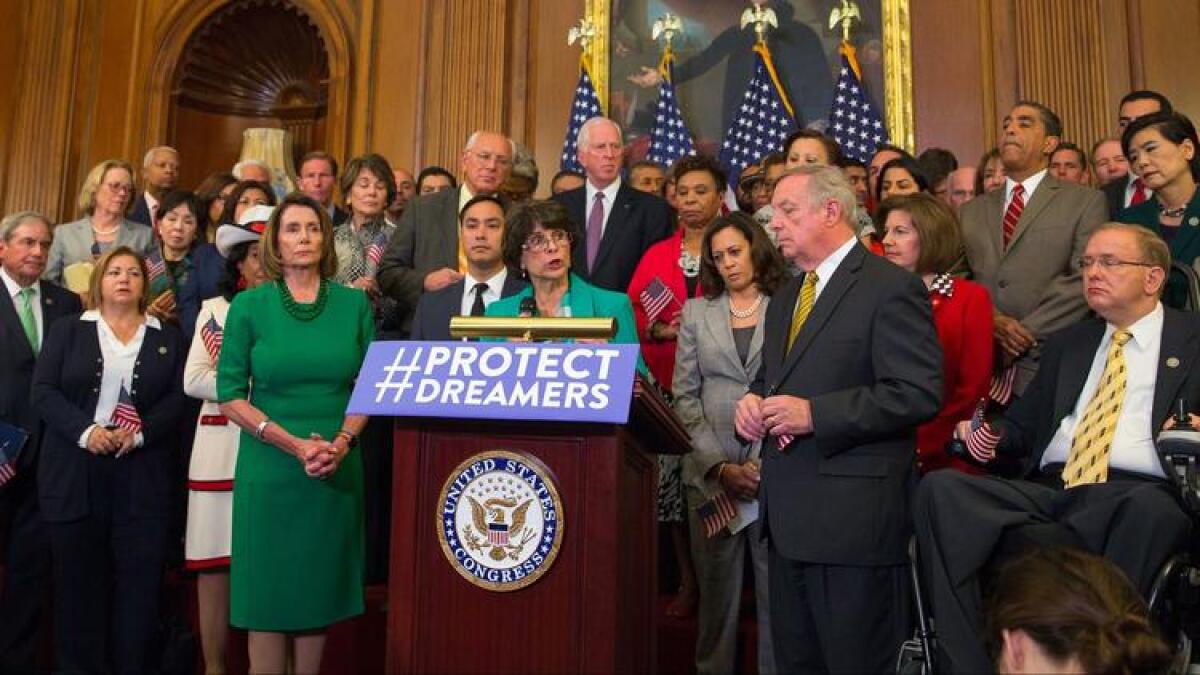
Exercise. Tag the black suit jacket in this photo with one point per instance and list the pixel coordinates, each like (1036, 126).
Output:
(66, 387)
(434, 310)
(141, 211)
(1114, 195)
(1032, 420)
(426, 239)
(869, 362)
(17, 361)
(638, 221)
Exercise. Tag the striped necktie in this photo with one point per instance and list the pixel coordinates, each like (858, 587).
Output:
(1012, 215)
(1088, 461)
(808, 296)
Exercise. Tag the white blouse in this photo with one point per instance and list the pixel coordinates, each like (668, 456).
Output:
(119, 361)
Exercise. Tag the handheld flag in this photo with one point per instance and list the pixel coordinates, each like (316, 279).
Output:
(212, 334)
(374, 253)
(125, 416)
(716, 513)
(656, 297)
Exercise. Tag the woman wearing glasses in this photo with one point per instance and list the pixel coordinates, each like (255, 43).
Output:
(105, 199)
(538, 243)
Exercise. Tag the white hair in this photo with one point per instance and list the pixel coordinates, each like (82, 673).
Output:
(237, 168)
(827, 183)
(585, 131)
(13, 221)
(474, 138)
(154, 151)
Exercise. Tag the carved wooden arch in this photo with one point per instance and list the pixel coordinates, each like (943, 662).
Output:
(183, 18)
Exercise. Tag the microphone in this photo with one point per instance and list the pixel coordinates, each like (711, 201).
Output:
(528, 308)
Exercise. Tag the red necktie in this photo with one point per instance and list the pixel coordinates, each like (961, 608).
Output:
(1012, 215)
(1139, 192)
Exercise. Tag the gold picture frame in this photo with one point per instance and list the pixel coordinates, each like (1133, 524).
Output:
(897, 63)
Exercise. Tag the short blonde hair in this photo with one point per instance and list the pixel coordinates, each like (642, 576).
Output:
(87, 193)
(102, 265)
(269, 248)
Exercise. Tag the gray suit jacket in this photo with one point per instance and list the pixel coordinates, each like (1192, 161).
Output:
(709, 381)
(426, 239)
(1035, 280)
(73, 243)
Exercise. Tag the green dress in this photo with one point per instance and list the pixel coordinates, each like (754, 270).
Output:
(297, 558)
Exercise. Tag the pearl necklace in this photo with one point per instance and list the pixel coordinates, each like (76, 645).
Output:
(104, 233)
(749, 311)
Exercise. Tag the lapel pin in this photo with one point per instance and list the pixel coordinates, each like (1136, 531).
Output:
(162, 350)
(1172, 362)
(49, 301)
(1194, 221)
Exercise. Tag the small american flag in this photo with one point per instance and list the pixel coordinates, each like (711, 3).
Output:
(1001, 388)
(584, 107)
(982, 440)
(7, 471)
(375, 253)
(764, 119)
(655, 298)
(670, 138)
(716, 513)
(784, 440)
(853, 120)
(155, 266)
(212, 335)
(125, 416)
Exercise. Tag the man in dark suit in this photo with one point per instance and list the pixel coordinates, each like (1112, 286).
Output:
(27, 309)
(1121, 194)
(1083, 436)
(425, 254)
(318, 173)
(837, 411)
(160, 173)
(487, 279)
(1022, 241)
(616, 222)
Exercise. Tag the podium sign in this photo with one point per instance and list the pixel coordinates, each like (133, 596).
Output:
(497, 380)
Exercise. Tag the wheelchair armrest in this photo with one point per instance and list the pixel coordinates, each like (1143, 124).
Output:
(1180, 452)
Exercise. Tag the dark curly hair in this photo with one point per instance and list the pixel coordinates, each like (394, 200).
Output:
(700, 162)
(770, 271)
(549, 214)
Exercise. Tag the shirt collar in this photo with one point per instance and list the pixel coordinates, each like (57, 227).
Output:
(830, 264)
(495, 283)
(1144, 331)
(1030, 184)
(14, 288)
(93, 315)
(610, 192)
(464, 195)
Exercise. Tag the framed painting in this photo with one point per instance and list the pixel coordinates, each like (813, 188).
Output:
(713, 61)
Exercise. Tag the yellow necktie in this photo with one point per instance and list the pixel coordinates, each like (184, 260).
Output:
(808, 295)
(1088, 461)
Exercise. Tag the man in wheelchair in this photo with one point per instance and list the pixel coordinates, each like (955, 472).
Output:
(1080, 442)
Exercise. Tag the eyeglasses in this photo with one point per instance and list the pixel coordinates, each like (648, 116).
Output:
(541, 242)
(1108, 262)
(485, 157)
(119, 187)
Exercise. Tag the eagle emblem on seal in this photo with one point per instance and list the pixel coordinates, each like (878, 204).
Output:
(489, 528)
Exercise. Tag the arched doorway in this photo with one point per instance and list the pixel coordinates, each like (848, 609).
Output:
(251, 63)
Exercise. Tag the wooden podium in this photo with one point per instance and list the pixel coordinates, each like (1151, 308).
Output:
(593, 610)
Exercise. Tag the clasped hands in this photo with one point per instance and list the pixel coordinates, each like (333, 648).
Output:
(320, 457)
(118, 441)
(757, 417)
(1014, 339)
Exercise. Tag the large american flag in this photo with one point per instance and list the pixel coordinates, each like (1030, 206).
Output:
(656, 297)
(853, 120)
(125, 415)
(211, 334)
(670, 138)
(763, 121)
(584, 107)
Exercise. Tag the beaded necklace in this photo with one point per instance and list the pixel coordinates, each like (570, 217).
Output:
(303, 311)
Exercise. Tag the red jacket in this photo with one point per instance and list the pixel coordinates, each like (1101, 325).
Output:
(661, 260)
(964, 328)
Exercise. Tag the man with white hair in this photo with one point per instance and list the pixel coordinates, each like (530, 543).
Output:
(616, 223)
(160, 172)
(425, 253)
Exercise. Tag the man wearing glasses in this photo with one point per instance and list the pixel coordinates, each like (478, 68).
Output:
(426, 254)
(1082, 439)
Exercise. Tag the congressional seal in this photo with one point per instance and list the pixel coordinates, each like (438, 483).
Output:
(500, 521)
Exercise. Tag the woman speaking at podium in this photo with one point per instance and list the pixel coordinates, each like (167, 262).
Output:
(538, 243)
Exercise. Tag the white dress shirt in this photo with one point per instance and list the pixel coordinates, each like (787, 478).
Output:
(829, 265)
(1129, 190)
(1030, 184)
(35, 301)
(151, 206)
(1133, 440)
(610, 198)
(119, 361)
(494, 287)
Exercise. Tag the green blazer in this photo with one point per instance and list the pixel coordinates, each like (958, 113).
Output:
(584, 300)
(1185, 246)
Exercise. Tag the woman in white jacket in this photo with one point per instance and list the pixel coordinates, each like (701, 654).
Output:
(214, 453)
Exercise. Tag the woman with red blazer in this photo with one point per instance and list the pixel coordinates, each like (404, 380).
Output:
(921, 234)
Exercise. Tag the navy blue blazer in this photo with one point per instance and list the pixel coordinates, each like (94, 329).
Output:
(17, 361)
(140, 213)
(207, 269)
(434, 310)
(66, 387)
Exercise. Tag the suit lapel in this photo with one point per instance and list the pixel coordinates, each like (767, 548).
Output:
(1072, 375)
(779, 318)
(1176, 358)
(844, 277)
(1188, 231)
(614, 228)
(994, 205)
(754, 359)
(1041, 197)
(720, 331)
(582, 302)
(12, 325)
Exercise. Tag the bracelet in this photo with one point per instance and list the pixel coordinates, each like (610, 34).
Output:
(721, 471)
(351, 439)
(260, 432)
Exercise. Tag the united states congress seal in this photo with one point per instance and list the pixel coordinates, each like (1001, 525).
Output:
(500, 521)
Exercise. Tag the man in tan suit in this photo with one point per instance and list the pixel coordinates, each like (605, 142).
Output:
(1022, 242)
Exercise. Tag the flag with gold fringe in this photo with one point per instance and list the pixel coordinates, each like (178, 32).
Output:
(853, 121)
(763, 121)
(584, 106)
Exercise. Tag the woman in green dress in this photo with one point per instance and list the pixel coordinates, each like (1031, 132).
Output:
(297, 554)
(1162, 150)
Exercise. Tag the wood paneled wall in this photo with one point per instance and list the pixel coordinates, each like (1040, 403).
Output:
(89, 79)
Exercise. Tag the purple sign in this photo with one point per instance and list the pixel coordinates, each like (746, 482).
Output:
(555, 381)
